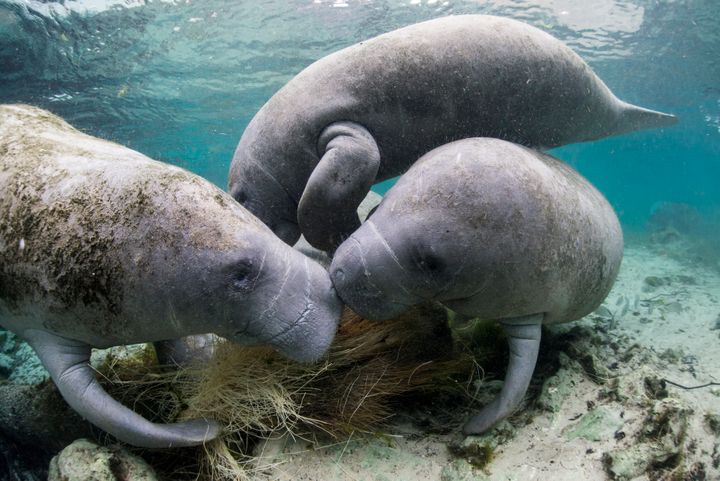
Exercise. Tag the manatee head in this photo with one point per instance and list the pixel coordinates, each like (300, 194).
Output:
(225, 272)
(265, 197)
(275, 295)
(393, 262)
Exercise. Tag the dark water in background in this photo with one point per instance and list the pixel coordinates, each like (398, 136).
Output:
(179, 80)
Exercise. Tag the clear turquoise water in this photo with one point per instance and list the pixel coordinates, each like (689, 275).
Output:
(179, 80)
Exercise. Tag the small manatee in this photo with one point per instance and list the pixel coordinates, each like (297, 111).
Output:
(491, 230)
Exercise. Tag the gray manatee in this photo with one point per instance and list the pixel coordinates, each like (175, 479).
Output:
(491, 230)
(102, 246)
(366, 113)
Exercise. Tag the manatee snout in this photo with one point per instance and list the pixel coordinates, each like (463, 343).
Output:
(315, 324)
(375, 293)
(301, 309)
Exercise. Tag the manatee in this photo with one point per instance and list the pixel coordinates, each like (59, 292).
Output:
(102, 246)
(492, 230)
(366, 113)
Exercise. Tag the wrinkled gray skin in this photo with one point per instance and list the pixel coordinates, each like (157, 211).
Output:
(101, 246)
(491, 230)
(366, 113)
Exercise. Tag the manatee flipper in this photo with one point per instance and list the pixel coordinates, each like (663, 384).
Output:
(68, 362)
(523, 335)
(327, 212)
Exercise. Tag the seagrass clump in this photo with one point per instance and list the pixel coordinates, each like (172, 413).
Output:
(256, 393)
(370, 365)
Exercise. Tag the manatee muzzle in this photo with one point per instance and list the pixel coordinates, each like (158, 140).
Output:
(304, 320)
(376, 294)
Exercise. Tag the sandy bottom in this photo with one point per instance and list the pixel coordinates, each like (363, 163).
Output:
(606, 412)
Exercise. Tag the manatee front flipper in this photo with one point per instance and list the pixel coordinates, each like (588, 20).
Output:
(68, 363)
(523, 335)
(327, 212)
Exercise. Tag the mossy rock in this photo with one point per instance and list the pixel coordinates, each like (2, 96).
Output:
(626, 464)
(86, 461)
(479, 451)
(660, 444)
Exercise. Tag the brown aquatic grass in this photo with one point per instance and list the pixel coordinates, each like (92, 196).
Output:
(258, 394)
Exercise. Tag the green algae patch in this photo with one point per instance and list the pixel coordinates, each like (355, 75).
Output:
(597, 425)
(478, 455)
(479, 451)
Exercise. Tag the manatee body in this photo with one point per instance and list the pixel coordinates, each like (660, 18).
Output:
(366, 113)
(101, 246)
(491, 230)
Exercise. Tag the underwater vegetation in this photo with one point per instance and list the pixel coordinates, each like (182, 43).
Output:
(257, 394)
(630, 392)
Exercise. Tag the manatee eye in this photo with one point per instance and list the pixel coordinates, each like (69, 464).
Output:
(427, 260)
(243, 276)
(431, 262)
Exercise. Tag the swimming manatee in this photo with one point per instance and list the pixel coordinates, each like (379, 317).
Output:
(102, 246)
(367, 112)
(492, 230)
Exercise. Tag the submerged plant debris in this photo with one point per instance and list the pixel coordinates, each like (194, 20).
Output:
(257, 394)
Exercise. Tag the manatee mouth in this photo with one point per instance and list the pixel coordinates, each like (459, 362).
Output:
(313, 328)
(311, 335)
(367, 284)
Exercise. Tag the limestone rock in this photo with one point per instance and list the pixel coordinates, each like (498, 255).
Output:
(86, 461)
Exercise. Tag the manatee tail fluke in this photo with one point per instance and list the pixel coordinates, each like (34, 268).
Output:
(524, 341)
(633, 118)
